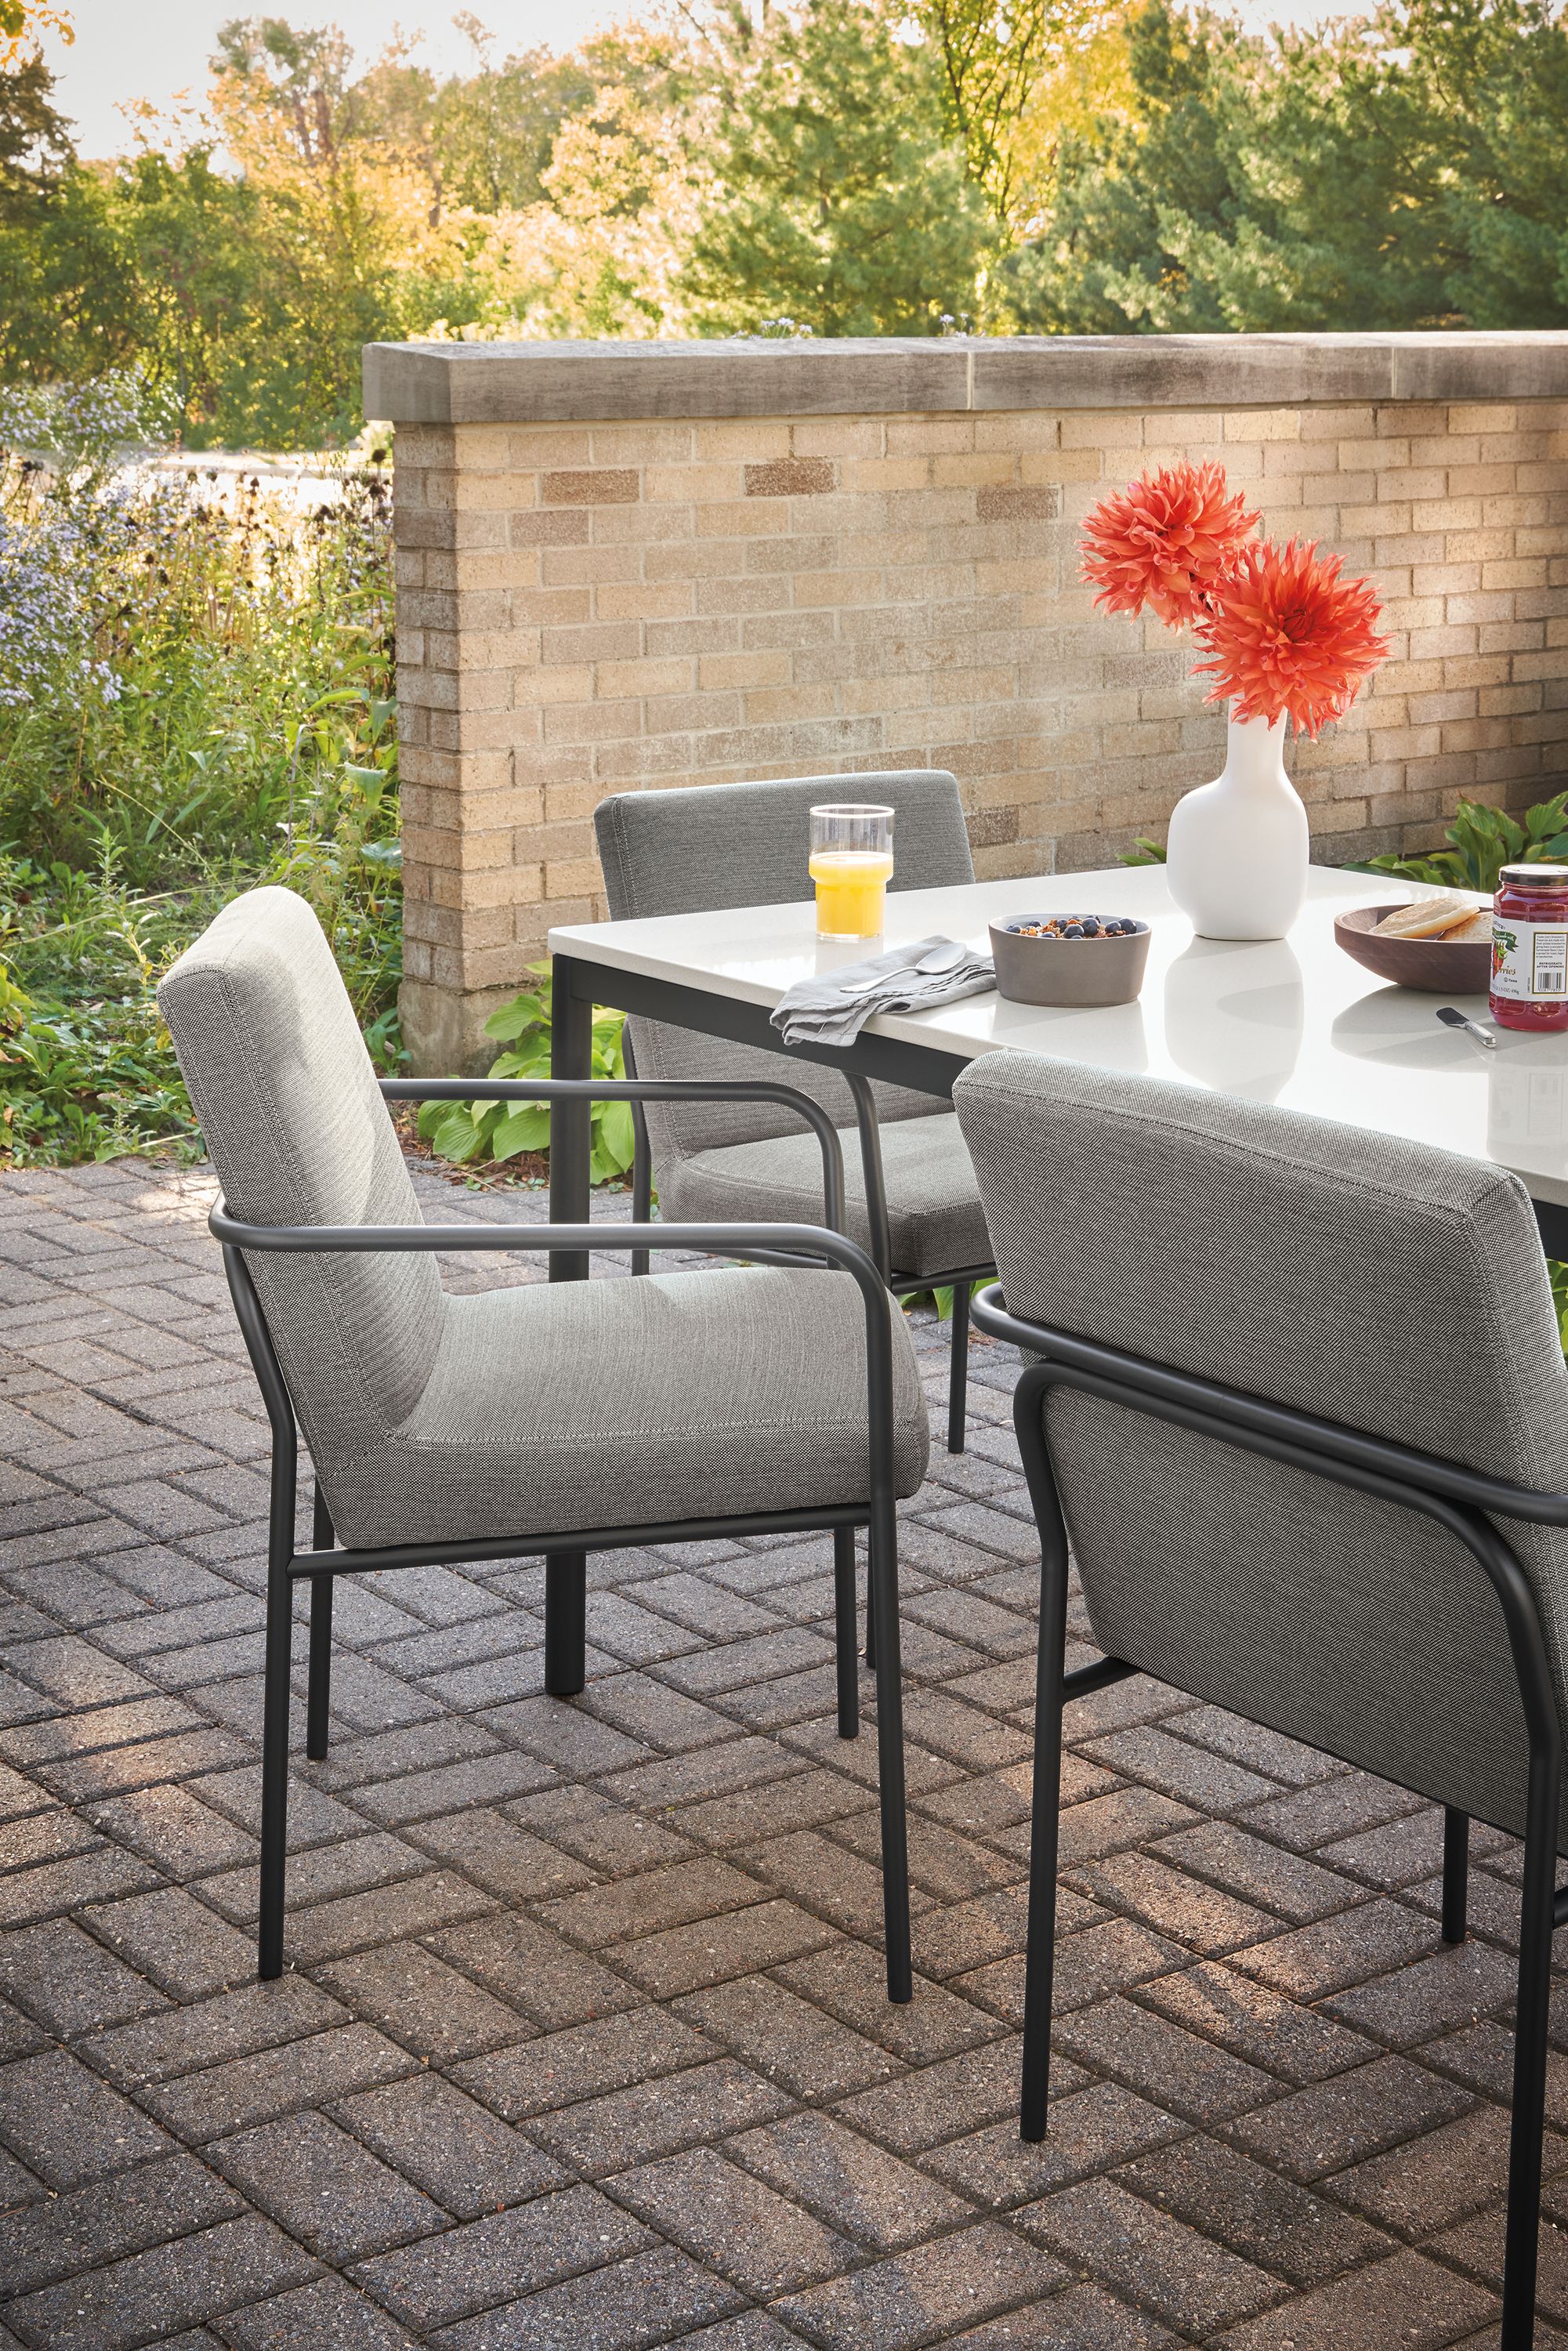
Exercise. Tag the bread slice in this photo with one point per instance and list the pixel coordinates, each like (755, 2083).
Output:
(1425, 918)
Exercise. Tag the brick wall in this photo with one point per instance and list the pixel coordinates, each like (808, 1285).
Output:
(588, 607)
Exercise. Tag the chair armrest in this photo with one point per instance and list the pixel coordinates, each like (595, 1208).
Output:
(795, 1241)
(1280, 1424)
(642, 1089)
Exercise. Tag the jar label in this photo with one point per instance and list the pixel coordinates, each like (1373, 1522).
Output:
(1528, 960)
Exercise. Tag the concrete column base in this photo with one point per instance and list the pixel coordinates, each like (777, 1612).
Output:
(444, 1029)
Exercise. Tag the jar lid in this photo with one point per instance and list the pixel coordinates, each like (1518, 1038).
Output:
(1536, 877)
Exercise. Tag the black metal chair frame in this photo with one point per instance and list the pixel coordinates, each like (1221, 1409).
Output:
(564, 1552)
(1459, 1499)
(962, 1278)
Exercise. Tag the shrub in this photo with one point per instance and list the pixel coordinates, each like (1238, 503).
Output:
(498, 1131)
(195, 696)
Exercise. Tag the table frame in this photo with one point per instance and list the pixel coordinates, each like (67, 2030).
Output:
(582, 981)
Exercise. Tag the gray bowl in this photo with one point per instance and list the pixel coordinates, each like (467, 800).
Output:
(1068, 971)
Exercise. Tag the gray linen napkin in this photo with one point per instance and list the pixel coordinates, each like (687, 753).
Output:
(827, 1011)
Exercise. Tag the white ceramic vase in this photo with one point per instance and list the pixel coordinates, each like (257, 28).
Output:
(1236, 857)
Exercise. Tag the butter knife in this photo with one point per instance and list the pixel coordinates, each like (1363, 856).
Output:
(1452, 1018)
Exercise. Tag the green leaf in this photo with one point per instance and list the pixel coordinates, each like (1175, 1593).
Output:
(524, 1127)
(512, 1019)
(457, 1137)
(532, 1062)
(617, 1136)
(1547, 817)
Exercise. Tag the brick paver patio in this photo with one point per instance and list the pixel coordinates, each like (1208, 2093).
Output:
(582, 2042)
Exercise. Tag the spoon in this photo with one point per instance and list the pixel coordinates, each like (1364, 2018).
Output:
(1452, 1018)
(945, 958)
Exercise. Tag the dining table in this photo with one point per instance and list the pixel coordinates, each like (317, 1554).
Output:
(1292, 1020)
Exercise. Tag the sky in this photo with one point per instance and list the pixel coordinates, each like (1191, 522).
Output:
(157, 48)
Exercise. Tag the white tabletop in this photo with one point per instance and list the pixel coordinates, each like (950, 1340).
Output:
(1290, 1020)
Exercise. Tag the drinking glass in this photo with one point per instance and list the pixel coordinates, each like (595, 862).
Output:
(852, 865)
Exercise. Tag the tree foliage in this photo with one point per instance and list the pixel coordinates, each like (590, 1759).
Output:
(853, 166)
(835, 200)
(990, 58)
(21, 23)
(1400, 171)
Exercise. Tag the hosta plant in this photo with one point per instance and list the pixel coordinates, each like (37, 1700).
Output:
(498, 1131)
(1483, 841)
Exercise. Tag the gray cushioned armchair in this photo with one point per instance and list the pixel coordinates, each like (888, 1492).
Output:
(674, 853)
(1298, 1393)
(446, 1427)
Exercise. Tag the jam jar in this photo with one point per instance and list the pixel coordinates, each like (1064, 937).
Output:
(1529, 948)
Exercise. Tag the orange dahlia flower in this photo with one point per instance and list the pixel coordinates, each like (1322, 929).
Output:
(1289, 634)
(1167, 540)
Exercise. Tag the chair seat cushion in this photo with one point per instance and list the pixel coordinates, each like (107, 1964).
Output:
(554, 1407)
(933, 1206)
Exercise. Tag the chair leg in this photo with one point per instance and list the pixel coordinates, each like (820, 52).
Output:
(890, 1750)
(319, 1693)
(566, 1600)
(642, 1182)
(276, 1699)
(958, 1375)
(845, 1631)
(1455, 1873)
(1039, 1966)
(1531, 2016)
(318, 1700)
(869, 1618)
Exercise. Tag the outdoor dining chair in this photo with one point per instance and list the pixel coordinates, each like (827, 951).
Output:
(910, 1191)
(1296, 1392)
(558, 1419)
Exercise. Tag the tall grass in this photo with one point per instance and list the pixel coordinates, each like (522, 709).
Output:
(196, 696)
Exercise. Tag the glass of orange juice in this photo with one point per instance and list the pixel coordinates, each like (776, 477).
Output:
(851, 865)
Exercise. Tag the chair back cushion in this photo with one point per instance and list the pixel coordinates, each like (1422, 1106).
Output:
(299, 1133)
(680, 852)
(1359, 1277)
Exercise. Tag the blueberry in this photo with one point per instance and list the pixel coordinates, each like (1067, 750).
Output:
(1091, 927)
(1072, 931)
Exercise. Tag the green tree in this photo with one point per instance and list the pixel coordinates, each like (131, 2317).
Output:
(1495, 80)
(1400, 171)
(69, 306)
(837, 200)
(991, 56)
(188, 232)
(35, 139)
(493, 129)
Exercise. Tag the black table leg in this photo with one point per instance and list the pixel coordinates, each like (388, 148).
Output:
(571, 1056)
(1551, 1222)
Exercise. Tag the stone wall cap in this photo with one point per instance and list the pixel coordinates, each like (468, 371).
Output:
(547, 382)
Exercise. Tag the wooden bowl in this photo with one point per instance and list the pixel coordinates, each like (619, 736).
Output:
(1436, 966)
